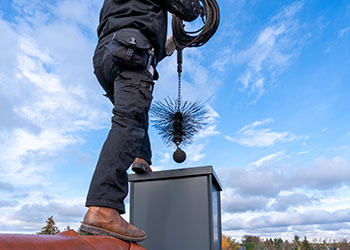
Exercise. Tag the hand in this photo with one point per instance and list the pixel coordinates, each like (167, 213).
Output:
(170, 46)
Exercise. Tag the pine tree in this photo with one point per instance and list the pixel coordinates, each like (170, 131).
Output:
(50, 227)
(251, 242)
(305, 245)
(296, 242)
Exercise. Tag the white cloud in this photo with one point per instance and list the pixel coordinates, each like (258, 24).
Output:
(208, 131)
(79, 12)
(301, 153)
(270, 180)
(281, 219)
(46, 108)
(50, 98)
(325, 173)
(267, 158)
(287, 200)
(32, 216)
(270, 53)
(342, 32)
(288, 233)
(258, 123)
(5, 186)
(198, 82)
(5, 203)
(165, 159)
(259, 182)
(210, 128)
(56, 110)
(235, 203)
(340, 148)
(194, 152)
(212, 115)
(251, 136)
(283, 202)
(224, 58)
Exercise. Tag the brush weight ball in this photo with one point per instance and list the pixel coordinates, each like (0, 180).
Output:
(179, 155)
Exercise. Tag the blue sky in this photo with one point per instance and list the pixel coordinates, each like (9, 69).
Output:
(278, 134)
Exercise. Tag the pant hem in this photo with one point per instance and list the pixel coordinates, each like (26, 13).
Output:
(103, 203)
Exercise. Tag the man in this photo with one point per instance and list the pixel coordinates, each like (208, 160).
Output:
(132, 40)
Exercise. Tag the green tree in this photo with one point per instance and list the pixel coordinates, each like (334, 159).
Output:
(50, 227)
(305, 245)
(296, 242)
(278, 243)
(251, 242)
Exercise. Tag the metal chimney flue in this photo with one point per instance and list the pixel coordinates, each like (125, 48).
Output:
(178, 209)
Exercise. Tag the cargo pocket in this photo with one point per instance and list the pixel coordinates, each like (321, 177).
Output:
(123, 92)
(131, 48)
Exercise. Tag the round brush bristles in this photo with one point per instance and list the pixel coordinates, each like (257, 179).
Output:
(178, 123)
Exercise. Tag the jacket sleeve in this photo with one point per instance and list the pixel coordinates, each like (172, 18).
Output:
(187, 10)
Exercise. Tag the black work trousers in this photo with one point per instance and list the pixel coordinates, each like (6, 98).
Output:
(128, 136)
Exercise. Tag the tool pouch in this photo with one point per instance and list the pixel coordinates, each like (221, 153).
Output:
(131, 48)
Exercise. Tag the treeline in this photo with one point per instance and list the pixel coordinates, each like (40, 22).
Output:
(250, 242)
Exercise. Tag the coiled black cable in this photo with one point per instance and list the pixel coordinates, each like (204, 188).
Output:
(210, 15)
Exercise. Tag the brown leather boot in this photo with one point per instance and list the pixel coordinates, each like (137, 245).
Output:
(107, 221)
(140, 166)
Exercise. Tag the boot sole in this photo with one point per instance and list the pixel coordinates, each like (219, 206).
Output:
(140, 169)
(100, 231)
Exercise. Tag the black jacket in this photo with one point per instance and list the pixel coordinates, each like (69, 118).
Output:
(148, 16)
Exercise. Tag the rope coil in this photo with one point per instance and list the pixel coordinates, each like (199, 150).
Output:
(210, 15)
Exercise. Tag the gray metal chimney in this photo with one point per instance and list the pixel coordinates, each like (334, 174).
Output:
(179, 209)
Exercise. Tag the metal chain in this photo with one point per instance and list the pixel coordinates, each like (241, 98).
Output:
(179, 71)
(179, 92)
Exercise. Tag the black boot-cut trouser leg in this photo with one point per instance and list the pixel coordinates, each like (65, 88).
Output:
(127, 139)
